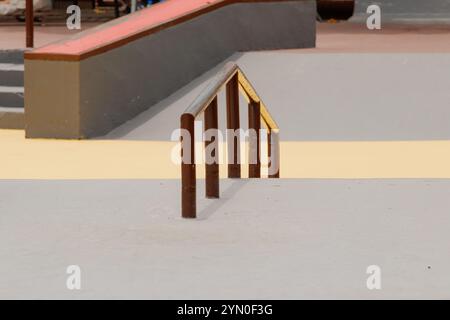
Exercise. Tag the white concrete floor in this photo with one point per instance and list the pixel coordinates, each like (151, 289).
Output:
(327, 97)
(265, 239)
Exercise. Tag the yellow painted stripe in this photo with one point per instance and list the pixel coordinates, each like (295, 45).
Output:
(118, 159)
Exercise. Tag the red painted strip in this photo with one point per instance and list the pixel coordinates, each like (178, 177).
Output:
(129, 25)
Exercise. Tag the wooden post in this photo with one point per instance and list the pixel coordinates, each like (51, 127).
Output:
(232, 92)
(116, 8)
(273, 153)
(254, 126)
(212, 169)
(188, 178)
(29, 24)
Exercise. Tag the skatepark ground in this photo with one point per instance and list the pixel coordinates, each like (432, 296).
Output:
(268, 239)
(365, 181)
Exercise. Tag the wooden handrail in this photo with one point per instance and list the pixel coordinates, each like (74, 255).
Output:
(234, 80)
(207, 95)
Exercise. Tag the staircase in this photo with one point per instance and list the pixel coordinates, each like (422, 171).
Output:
(11, 90)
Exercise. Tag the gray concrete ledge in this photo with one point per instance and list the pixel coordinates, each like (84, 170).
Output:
(110, 88)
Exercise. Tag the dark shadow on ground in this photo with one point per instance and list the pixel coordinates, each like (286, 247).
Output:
(215, 204)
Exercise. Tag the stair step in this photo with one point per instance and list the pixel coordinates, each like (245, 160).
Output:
(11, 97)
(11, 74)
(12, 112)
(11, 56)
(12, 118)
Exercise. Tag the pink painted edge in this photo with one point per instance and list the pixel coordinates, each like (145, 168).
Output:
(134, 23)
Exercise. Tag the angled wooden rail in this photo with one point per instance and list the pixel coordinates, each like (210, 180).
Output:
(235, 81)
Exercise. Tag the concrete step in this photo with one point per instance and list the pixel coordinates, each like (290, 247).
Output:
(11, 74)
(11, 97)
(12, 118)
(12, 115)
(11, 56)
